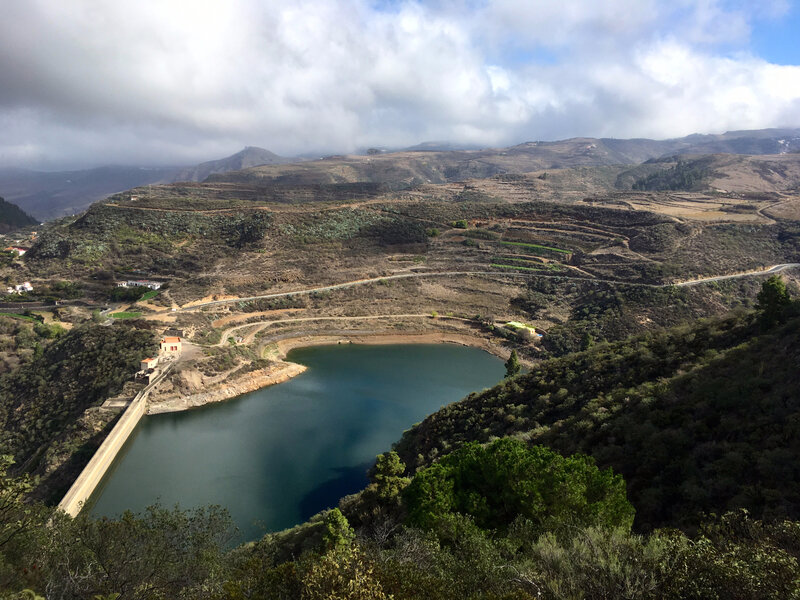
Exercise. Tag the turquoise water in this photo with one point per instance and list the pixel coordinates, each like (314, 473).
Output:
(278, 455)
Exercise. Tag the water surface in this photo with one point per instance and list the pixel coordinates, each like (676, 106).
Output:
(278, 455)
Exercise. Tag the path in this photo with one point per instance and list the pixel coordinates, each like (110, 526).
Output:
(767, 271)
(349, 284)
(261, 325)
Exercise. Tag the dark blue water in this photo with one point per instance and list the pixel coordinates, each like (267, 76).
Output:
(276, 456)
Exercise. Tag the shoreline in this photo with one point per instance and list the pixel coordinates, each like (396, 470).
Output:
(286, 345)
(227, 390)
(286, 370)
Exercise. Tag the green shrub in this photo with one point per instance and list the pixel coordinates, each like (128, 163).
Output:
(506, 480)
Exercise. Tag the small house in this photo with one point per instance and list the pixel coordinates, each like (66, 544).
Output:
(149, 363)
(171, 345)
(153, 285)
(18, 249)
(23, 287)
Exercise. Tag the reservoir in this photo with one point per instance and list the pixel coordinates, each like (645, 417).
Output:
(278, 455)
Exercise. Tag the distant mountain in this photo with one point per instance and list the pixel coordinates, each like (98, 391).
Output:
(13, 217)
(249, 157)
(49, 195)
(52, 195)
(441, 147)
(435, 162)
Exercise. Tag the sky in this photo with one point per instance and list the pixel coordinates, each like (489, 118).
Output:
(175, 82)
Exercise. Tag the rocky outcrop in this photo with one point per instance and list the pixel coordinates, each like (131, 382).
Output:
(173, 401)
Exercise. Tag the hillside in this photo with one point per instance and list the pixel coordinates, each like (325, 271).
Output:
(51, 423)
(699, 418)
(720, 173)
(432, 164)
(48, 195)
(13, 217)
(244, 159)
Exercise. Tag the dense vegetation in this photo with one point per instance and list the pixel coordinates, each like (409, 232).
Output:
(514, 493)
(696, 418)
(165, 554)
(13, 217)
(78, 370)
(685, 175)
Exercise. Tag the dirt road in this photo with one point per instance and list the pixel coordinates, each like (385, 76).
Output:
(348, 284)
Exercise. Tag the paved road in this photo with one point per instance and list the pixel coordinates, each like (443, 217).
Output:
(349, 284)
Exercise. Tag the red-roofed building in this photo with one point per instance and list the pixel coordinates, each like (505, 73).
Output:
(149, 363)
(170, 345)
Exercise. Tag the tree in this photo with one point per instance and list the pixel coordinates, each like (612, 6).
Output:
(773, 300)
(388, 476)
(512, 364)
(505, 480)
(338, 533)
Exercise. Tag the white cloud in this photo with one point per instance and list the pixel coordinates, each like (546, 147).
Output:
(178, 81)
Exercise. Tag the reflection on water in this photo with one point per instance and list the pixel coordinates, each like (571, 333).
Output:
(281, 454)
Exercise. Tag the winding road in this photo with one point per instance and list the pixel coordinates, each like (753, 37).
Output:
(767, 271)
(339, 286)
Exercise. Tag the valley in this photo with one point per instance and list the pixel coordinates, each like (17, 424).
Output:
(556, 265)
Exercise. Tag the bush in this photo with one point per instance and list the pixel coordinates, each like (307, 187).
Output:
(506, 480)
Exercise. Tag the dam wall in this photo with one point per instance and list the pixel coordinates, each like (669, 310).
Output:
(96, 468)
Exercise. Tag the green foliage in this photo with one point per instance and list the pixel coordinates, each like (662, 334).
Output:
(432, 232)
(602, 563)
(519, 268)
(127, 294)
(506, 480)
(149, 295)
(12, 217)
(174, 553)
(537, 248)
(512, 364)
(481, 234)
(19, 316)
(396, 231)
(337, 533)
(696, 419)
(160, 554)
(686, 175)
(737, 557)
(773, 300)
(81, 368)
(249, 229)
(460, 224)
(388, 476)
(48, 331)
(126, 315)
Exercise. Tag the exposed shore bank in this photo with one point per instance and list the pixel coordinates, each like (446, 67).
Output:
(225, 390)
(379, 339)
(284, 370)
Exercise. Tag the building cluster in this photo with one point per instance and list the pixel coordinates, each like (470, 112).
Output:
(170, 348)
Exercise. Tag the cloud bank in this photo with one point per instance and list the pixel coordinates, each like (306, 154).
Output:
(178, 81)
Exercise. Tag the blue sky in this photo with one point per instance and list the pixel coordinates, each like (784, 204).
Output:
(149, 82)
(777, 40)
